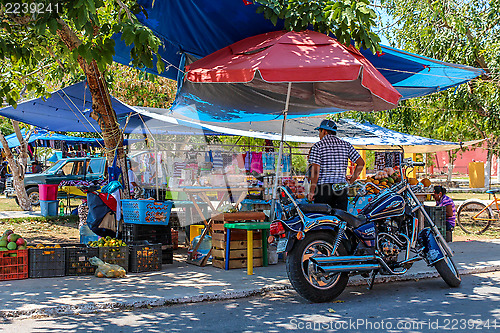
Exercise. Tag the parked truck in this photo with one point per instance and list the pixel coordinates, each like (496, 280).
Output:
(78, 168)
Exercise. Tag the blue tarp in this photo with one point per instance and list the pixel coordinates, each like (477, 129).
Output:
(68, 110)
(198, 28)
(303, 129)
(40, 134)
(46, 137)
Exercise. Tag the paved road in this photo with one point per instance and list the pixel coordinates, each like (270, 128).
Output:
(414, 306)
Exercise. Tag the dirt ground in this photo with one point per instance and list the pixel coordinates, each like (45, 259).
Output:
(40, 230)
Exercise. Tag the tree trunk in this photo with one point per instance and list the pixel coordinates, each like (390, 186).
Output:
(102, 109)
(17, 175)
(23, 145)
(487, 167)
(451, 161)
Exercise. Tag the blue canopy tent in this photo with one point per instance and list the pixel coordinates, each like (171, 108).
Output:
(196, 28)
(56, 157)
(303, 130)
(43, 135)
(68, 110)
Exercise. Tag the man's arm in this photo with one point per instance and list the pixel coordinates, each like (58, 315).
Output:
(449, 211)
(360, 164)
(314, 181)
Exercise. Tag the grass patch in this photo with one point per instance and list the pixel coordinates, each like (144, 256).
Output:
(48, 219)
(9, 205)
(469, 195)
(44, 230)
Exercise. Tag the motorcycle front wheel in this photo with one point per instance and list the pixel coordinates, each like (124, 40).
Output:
(305, 278)
(448, 270)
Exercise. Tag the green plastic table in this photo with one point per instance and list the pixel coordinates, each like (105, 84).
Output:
(249, 227)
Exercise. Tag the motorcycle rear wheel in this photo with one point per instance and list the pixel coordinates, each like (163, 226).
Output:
(302, 275)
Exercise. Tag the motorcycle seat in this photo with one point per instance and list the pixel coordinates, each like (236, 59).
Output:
(353, 221)
(315, 208)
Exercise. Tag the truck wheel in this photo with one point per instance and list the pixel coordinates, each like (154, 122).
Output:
(33, 195)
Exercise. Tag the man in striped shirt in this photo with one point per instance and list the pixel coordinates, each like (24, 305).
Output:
(329, 159)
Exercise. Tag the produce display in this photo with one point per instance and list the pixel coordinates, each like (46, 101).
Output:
(390, 176)
(41, 246)
(107, 242)
(12, 241)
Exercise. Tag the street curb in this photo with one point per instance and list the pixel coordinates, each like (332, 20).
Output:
(222, 296)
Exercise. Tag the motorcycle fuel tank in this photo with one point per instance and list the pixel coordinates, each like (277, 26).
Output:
(386, 205)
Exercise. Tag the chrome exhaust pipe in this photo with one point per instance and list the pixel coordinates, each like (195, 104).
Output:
(342, 259)
(348, 268)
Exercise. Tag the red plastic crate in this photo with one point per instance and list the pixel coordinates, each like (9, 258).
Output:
(13, 268)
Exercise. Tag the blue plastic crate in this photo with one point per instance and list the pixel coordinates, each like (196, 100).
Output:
(146, 212)
(49, 207)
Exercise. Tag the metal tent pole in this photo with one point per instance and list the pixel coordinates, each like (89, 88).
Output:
(280, 154)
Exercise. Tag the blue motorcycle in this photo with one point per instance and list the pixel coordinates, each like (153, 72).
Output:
(326, 246)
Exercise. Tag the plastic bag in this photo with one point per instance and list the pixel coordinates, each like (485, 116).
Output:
(107, 270)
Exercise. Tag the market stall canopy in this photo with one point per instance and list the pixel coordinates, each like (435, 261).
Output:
(44, 137)
(197, 28)
(68, 110)
(325, 77)
(303, 129)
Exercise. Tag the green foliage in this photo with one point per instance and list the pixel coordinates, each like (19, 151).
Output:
(139, 88)
(33, 54)
(348, 20)
(457, 32)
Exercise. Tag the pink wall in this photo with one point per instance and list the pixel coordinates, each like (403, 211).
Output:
(463, 160)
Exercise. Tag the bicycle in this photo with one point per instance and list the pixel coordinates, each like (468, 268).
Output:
(475, 217)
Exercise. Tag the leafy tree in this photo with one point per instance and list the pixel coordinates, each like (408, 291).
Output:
(463, 32)
(349, 20)
(45, 41)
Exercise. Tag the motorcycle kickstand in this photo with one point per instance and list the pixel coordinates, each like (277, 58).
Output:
(372, 280)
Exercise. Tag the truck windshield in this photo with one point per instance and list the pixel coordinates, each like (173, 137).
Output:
(53, 169)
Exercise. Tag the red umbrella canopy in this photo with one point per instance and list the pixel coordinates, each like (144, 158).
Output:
(320, 68)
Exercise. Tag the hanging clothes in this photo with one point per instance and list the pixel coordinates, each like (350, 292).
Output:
(248, 160)
(286, 163)
(379, 160)
(256, 164)
(227, 160)
(217, 161)
(268, 161)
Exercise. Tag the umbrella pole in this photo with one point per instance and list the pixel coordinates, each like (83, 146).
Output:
(280, 154)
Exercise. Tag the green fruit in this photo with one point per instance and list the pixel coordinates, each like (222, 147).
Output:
(7, 232)
(13, 254)
(13, 237)
(12, 246)
(4, 249)
(3, 243)
(22, 247)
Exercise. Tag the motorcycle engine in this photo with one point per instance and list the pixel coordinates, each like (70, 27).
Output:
(389, 249)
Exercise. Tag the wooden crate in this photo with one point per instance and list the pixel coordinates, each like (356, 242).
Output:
(239, 216)
(236, 263)
(236, 254)
(237, 235)
(238, 243)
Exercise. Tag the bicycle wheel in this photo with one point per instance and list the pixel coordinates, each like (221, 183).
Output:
(469, 222)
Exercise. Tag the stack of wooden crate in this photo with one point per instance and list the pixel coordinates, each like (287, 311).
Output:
(238, 245)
